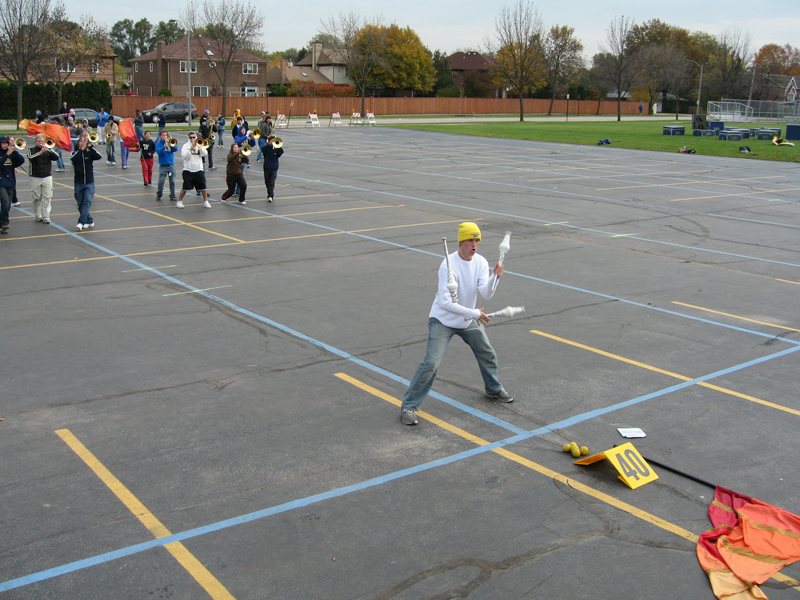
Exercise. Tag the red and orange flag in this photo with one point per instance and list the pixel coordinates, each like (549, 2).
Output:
(57, 132)
(750, 542)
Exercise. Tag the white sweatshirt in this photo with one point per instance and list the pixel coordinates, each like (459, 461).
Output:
(472, 276)
(192, 160)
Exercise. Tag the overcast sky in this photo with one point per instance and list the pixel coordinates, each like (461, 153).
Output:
(451, 25)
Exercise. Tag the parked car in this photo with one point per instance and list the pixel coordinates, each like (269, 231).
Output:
(85, 113)
(173, 111)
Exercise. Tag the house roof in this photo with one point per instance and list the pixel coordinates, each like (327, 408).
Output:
(301, 73)
(326, 57)
(200, 47)
(469, 61)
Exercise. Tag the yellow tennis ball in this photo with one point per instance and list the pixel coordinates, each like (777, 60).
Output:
(576, 452)
(566, 447)
(584, 450)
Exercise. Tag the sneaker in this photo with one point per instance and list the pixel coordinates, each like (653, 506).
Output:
(60, 170)
(172, 198)
(158, 198)
(269, 199)
(17, 203)
(206, 204)
(145, 185)
(179, 204)
(408, 417)
(38, 219)
(124, 166)
(79, 227)
(108, 162)
(502, 396)
(46, 221)
(113, 163)
(89, 225)
(242, 202)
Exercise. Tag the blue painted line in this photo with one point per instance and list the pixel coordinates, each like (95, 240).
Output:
(375, 481)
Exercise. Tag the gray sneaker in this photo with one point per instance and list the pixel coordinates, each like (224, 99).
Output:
(502, 396)
(408, 417)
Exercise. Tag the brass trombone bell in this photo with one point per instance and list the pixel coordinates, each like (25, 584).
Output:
(173, 142)
(256, 134)
(277, 142)
(246, 150)
(20, 144)
(94, 138)
(202, 143)
(51, 143)
(212, 137)
(109, 136)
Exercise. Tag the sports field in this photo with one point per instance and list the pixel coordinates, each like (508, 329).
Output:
(203, 402)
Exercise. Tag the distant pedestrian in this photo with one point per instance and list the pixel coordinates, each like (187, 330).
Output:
(641, 107)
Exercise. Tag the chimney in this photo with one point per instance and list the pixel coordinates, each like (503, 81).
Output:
(316, 50)
(161, 66)
(283, 70)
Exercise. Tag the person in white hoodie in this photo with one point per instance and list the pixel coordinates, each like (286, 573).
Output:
(448, 318)
(194, 177)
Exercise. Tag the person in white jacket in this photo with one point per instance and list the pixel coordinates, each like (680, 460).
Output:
(448, 318)
(194, 177)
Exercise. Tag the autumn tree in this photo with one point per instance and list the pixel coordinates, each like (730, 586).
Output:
(404, 61)
(618, 64)
(729, 62)
(72, 48)
(362, 40)
(772, 59)
(226, 43)
(517, 51)
(563, 56)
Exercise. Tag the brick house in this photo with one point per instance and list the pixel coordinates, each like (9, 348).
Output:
(329, 63)
(166, 67)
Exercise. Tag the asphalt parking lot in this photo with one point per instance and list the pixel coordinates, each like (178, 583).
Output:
(203, 403)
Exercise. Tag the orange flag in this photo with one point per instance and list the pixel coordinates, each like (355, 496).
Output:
(127, 133)
(750, 542)
(57, 132)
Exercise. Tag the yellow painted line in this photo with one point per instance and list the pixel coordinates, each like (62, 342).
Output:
(669, 373)
(574, 484)
(628, 508)
(195, 291)
(737, 195)
(716, 312)
(789, 281)
(193, 566)
(713, 181)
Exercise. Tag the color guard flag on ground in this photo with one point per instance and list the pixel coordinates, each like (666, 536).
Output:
(57, 132)
(750, 542)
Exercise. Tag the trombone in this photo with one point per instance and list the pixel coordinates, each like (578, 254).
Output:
(246, 150)
(20, 144)
(50, 143)
(277, 142)
(173, 142)
(256, 134)
(93, 138)
(202, 142)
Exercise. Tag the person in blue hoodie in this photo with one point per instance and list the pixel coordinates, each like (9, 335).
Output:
(83, 162)
(271, 156)
(166, 164)
(10, 159)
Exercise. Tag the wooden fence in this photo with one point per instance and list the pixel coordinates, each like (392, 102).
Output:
(125, 106)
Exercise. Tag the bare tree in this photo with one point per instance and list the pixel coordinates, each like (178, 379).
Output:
(24, 32)
(517, 51)
(227, 43)
(563, 55)
(675, 72)
(362, 40)
(72, 47)
(618, 64)
(729, 62)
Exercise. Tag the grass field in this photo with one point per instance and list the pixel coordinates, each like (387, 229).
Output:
(638, 135)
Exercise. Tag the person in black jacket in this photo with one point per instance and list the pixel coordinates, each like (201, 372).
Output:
(271, 156)
(205, 133)
(83, 161)
(10, 159)
(41, 159)
(148, 150)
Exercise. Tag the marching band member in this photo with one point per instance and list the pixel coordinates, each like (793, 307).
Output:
(234, 173)
(148, 149)
(41, 160)
(446, 319)
(271, 156)
(10, 159)
(193, 175)
(166, 164)
(221, 127)
(83, 161)
(110, 132)
(205, 133)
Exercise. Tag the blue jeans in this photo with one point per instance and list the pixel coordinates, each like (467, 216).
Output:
(84, 194)
(165, 171)
(139, 132)
(111, 152)
(124, 151)
(60, 162)
(438, 337)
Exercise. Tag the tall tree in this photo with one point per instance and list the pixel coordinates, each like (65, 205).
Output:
(169, 31)
(618, 63)
(517, 51)
(730, 76)
(72, 48)
(129, 39)
(444, 74)
(675, 72)
(406, 62)
(226, 42)
(362, 40)
(563, 55)
(25, 27)
(772, 59)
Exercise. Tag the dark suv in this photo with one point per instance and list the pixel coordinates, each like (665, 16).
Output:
(173, 111)
(85, 113)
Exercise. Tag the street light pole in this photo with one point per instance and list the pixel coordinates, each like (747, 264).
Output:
(700, 90)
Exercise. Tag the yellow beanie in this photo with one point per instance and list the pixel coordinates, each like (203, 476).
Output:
(468, 231)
